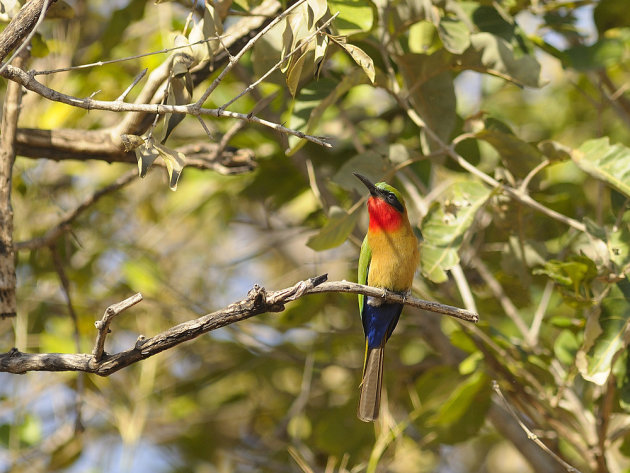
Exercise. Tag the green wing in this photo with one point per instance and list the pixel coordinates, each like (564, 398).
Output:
(364, 265)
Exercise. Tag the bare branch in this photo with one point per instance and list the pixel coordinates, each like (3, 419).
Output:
(103, 325)
(88, 103)
(258, 301)
(30, 34)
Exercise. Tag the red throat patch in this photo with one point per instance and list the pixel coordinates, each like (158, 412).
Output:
(383, 216)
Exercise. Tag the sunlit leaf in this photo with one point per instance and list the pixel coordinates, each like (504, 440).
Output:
(174, 161)
(146, 155)
(360, 57)
(609, 163)
(606, 337)
(316, 10)
(445, 224)
(454, 34)
(355, 16)
(335, 232)
(578, 271)
(423, 38)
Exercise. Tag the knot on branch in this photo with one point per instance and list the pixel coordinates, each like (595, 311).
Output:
(276, 300)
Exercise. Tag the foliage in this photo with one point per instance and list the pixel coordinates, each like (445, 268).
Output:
(473, 109)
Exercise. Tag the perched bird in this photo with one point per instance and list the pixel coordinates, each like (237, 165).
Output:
(389, 258)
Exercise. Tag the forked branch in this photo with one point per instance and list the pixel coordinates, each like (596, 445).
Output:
(258, 301)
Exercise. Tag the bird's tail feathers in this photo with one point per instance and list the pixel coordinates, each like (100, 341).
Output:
(370, 399)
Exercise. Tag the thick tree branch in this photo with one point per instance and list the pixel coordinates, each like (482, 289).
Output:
(62, 144)
(258, 301)
(20, 26)
(8, 127)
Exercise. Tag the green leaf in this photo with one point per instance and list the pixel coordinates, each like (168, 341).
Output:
(496, 56)
(566, 347)
(604, 335)
(445, 224)
(454, 34)
(609, 163)
(355, 16)
(517, 155)
(463, 413)
(619, 246)
(313, 100)
(576, 273)
(423, 38)
(429, 80)
(604, 53)
(340, 224)
(609, 14)
(371, 164)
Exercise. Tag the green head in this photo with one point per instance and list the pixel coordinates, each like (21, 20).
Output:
(384, 192)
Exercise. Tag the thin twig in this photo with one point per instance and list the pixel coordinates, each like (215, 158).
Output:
(531, 435)
(65, 285)
(508, 306)
(60, 228)
(121, 97)
(523, 187)
(534, 330)
(123, 59)
(103, 325)
(247, 47)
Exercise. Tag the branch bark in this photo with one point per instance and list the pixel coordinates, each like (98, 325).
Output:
(8, 129)
(258, 301)
(20, 26)
(62, 144)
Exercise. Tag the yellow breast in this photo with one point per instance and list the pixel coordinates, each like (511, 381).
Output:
(395, 258)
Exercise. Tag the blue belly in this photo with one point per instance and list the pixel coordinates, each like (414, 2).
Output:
(379, 322)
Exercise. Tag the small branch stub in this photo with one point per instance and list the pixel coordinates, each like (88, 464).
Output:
(103, 325)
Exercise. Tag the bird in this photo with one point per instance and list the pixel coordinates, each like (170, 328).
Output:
(388, 260)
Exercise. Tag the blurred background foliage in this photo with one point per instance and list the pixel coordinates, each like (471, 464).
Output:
(533, 94)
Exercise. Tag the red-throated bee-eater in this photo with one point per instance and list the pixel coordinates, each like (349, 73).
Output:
(389, 258)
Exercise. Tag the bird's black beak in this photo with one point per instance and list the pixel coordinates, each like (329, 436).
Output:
(371, 187)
